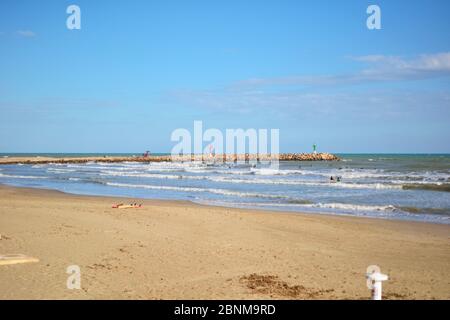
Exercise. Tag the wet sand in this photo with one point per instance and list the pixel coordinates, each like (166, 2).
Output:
(180, 250)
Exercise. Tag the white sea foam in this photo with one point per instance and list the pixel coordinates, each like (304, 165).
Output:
(194, 189)
(366, 185)
(340, 206)
(138, 174)
(96, 167)
(348, 173)
(223, 179)
(352, 207)
(306, 183)
(58, 170)
(20, 176)
(275, 172)
(379, 174)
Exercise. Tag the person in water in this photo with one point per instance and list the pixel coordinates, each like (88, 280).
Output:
(337, 179)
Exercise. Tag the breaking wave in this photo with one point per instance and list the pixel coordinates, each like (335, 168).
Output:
(20, 176)
(444, 187)
(194, 189)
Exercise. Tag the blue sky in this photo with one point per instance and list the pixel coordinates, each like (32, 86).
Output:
(137, 70)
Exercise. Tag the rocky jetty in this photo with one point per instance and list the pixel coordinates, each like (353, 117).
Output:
(180, 158)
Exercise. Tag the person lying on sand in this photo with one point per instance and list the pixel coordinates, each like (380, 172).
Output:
(126, 206)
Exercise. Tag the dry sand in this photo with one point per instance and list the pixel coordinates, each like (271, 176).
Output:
(179, 250)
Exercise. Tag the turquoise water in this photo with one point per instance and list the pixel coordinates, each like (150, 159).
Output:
(408, 187)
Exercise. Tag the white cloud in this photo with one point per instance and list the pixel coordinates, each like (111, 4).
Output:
(397, 68)
(380, 68)
(426, 62)
(26, 33)
(335, 96)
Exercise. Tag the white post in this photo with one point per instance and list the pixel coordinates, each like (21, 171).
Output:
(376, 279)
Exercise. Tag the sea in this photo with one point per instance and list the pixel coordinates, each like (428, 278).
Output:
(414, 187)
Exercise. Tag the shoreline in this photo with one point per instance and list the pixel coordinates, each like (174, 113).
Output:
(182, 250)
(259, 210)
(169, 158)
(204, 205)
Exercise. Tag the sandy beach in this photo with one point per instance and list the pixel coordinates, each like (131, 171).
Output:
(180, 250)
